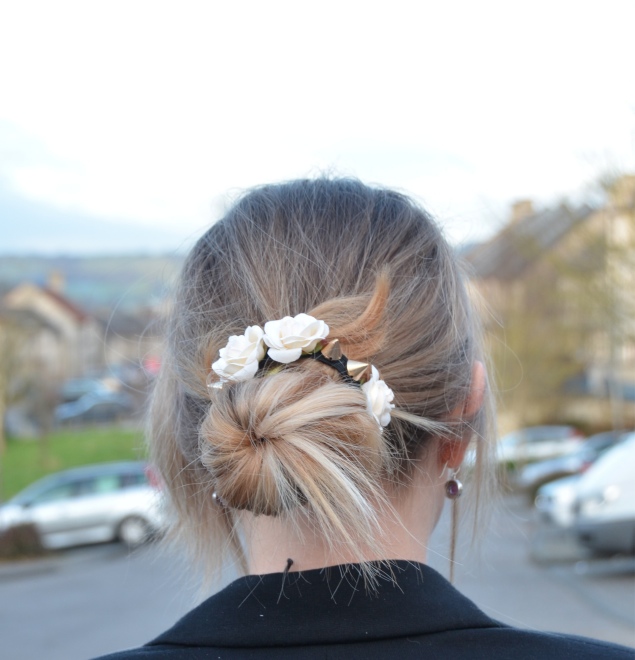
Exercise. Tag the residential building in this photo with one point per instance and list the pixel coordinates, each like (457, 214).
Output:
(558, 286)
(69, 342)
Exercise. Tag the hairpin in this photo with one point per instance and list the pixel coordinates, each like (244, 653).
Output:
(289, 340)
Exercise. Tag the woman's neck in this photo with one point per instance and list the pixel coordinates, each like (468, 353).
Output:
(405, 531)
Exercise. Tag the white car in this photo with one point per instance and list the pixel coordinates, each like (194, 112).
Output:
(556, 500)
(534, 475)
(605, 504)
(537, 443)
(90, 504)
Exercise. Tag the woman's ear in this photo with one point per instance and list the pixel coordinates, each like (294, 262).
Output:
(475, 398)
(452, 451)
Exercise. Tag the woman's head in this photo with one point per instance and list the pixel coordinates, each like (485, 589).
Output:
(298, 442)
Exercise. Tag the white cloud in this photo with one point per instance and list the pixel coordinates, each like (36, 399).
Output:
(152, 111)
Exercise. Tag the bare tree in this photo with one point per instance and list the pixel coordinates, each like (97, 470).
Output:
(12, 383)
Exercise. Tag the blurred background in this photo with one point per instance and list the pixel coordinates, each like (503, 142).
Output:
(127, 128)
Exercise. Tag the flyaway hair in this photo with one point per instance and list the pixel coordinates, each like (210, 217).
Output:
(298, 442)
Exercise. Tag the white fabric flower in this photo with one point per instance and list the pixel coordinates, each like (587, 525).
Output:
(239, 359)
(379, 397)
(290, 336)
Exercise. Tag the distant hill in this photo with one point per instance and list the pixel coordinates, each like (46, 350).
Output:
(96, 283)
(106, 282)
(30, 227)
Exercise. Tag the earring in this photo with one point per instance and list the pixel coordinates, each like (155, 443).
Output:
(453, 487)
(453, 490)
(217, 499)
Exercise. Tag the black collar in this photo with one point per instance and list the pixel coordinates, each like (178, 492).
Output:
(328, 605)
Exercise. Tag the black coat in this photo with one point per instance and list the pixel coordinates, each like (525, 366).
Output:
(329, 614)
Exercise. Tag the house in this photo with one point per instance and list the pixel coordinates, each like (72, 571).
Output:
(132, 347)
(559, 288)
(69, 342)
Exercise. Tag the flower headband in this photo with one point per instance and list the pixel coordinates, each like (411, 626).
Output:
(294, 338)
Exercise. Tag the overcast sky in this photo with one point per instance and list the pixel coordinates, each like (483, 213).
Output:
(126, 126)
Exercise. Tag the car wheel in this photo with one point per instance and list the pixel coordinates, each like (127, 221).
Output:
(134, 531)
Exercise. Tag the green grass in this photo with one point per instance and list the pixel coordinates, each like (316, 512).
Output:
(25, 461)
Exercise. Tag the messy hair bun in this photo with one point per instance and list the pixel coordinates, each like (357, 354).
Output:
(281, 441)
(299, 440)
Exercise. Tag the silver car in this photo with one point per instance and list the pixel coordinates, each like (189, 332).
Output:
(556, 501)
(605, 503)
(90, 504)
(534, 475)
(537, 443)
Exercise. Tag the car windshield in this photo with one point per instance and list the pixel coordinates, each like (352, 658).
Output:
(537, 434)
(54, 494)
(32, 491)
(510, 439)
(546, 433)
(612, 463)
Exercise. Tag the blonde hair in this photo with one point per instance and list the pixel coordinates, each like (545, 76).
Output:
(375, 267)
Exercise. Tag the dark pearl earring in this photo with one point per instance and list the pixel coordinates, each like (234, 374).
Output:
(453, 488)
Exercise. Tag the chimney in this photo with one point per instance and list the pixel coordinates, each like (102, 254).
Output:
(56, 281)
(523, 208)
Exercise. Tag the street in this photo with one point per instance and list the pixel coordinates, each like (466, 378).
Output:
(85, 602)
(530, 575)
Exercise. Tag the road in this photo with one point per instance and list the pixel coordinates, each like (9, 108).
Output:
(90, 601)
(530, 575)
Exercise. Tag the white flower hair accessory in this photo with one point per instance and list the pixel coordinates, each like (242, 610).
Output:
(379, 397)
(290, 339)
(239, 359)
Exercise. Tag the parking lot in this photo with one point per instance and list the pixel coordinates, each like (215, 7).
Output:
(88, 601)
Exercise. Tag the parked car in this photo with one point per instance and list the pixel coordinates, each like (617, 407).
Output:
(556, 501)
(536, 443)
(75, 388)
(95, 407)
(605, 506)
(92, 504)
(534, 475)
